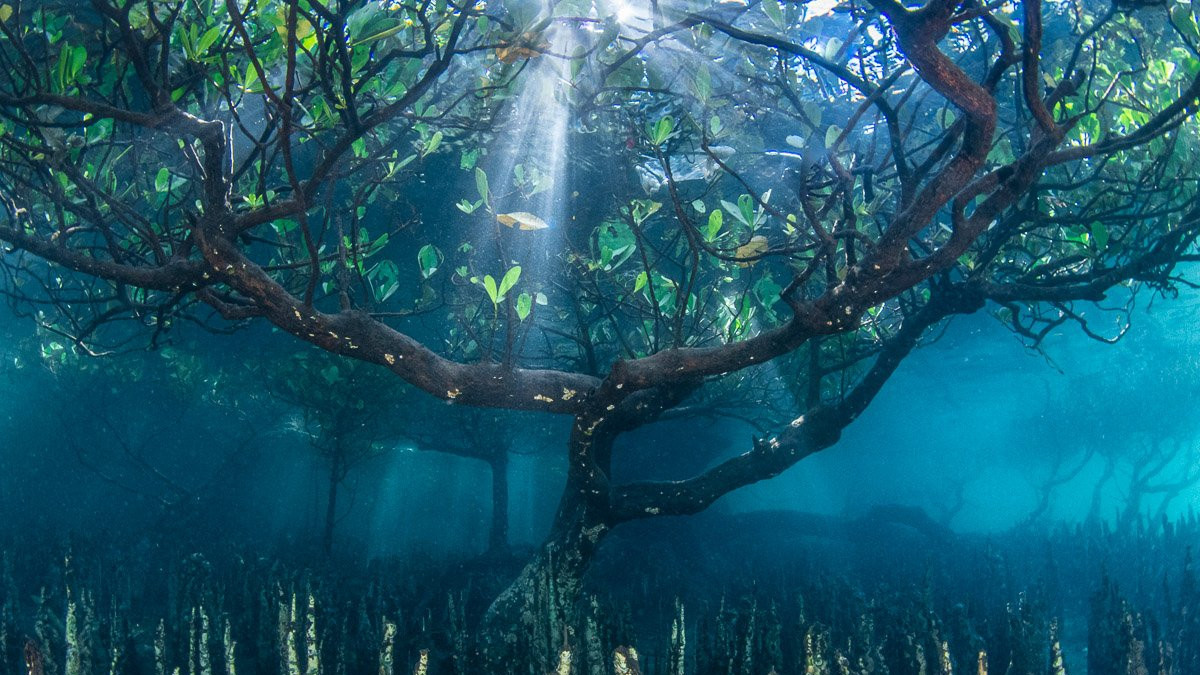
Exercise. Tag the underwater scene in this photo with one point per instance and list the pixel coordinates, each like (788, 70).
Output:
(599, 337)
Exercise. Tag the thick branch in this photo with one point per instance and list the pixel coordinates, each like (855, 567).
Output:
(817, 429)
(169, 277)
(355, 334)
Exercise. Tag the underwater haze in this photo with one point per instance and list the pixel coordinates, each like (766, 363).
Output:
(599, 337)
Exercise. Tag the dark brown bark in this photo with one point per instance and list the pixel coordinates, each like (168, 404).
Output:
(175, 275)
(536, 607)
(818, 428)
(550, 585)
(355, 334)
(548, 589)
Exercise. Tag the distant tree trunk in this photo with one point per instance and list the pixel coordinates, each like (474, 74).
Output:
(1094, 512)
(1144, 470)
(498, 536)
(1131, 513)
(335, 480)
(1056, 479)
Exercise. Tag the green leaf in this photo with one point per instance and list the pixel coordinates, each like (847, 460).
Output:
(70, 63)
(434, 141)
(735, 211)
(746, 206)
(1181, 16)
(1100, 235)
(386, 280)
(774, 12)
(403, 163)
(640, 282)
(78, 58)
(489, 285)
(373, 247)
(643, 209)
(524, 305)
(616, 243)
(767, 291)
(510, 279)
(429, 258)
(283, 226)
(467, 160)
(481, 184)
(162, 181)
(252, 84)
(387, 33)
(831, 135)
(207, 40)
(716, 219)
(662, 130)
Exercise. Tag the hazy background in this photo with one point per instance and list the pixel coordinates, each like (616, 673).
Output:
(968, 429)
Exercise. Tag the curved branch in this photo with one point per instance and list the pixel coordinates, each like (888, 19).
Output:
(171, 276)
(817, 429)
(355, 334)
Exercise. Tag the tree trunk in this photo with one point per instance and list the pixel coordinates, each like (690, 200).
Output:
(498, 536)
(331, 506)
(1131, 514)
(1095, 514)
(532, 617)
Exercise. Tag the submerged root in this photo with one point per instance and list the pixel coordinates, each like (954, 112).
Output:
(625, 661)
